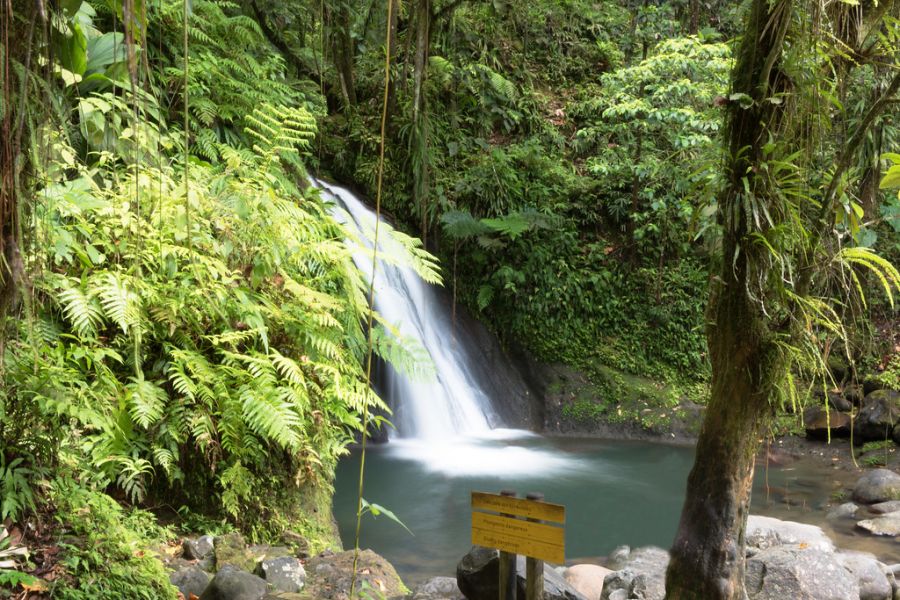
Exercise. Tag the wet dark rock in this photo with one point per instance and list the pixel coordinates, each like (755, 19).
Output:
(879, 414)
(478, 572)
(190, 580)
(231, 583)
(819, 423)
(877, 485)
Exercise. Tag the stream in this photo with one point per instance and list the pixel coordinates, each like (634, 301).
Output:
(615, 493)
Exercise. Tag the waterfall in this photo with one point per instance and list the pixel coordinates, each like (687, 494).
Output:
(451, 404)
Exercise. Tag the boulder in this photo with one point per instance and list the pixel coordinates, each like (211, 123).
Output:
(869, 573)
(841, 401)
(190, 580)
(587, 579)
(877, 485)
(847, 510)
(197, 549)
(231, 549)
(231, 583)
(768, 532)
(798, 572)
(478, 571)
(297, 542)
(876, 419)
(438, 588)
(284, 574)
(640, 574)
(882, 508)
(887, 525)
(819, 423)
(329, 575)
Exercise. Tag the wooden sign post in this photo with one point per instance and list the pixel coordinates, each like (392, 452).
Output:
(529, 526)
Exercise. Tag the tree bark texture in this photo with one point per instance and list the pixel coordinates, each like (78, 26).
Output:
(708, 552)
(338, 18)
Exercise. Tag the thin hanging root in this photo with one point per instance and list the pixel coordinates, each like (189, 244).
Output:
(369, 349)
(187, 131)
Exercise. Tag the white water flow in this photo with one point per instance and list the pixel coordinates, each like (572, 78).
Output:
(449, 405)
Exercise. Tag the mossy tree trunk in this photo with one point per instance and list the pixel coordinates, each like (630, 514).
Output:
(708, 553)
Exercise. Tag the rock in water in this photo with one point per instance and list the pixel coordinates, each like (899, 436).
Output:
(878, 485)
(888, 525)
(877, 417)
(883, 508)
(869, 573)
(197, 549)
(847, 510)
(190, 580)
(587, 579)
(798, 572)
(478, 572)
(233, 584)
(285, 574)
(768, 532)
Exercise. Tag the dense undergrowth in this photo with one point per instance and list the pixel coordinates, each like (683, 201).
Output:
(188, 323)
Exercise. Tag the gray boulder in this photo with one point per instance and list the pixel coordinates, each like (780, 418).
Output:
(883, 508)
(197, 549)
(869, 573)
(768, 532)
(587, 579)
(798, 572)
(876, 419)
(847, 510)
(438, 588)
(640, 574)
(190, 580)
(478, 572)
(330, 575)
(887, 525)
(285, 574)
(231, 583)
(878, 485)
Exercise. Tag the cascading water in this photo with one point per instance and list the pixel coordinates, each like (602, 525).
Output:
(452, 403)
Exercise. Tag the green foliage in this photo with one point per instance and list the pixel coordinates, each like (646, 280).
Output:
(106, 549)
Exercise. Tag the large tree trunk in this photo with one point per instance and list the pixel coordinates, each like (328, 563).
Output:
(708, 553)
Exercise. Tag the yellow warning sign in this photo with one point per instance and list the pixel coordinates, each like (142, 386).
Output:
(530, 509)
(537, 540)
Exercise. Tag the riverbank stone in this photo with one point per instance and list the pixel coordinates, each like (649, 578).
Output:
(587, 579)
(877, 485)
(847, 510)
(883, 508)
(798, 572)
(869, 573)
(767, 532)
(438, 588)
(478, 572)
(876, 419)
(819, 423)
(640, 574)
(231, 583)
(190, 580)
(285, 574)
(329, 576)
(197, 549)
(886, 525)
(231, 549)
